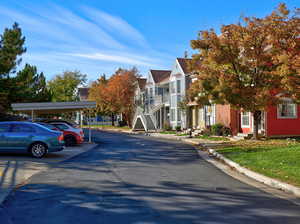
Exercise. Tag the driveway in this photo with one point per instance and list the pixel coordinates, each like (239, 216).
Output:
(138, 179)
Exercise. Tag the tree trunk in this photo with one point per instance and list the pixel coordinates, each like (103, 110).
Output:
(112, 119)
(128, 117)
(256, 117)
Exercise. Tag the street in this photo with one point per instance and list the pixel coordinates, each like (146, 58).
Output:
(139, 179)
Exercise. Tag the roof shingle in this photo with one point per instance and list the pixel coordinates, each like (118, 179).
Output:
(184, 64)
(160, 75)
(83, 93)
(142, 83)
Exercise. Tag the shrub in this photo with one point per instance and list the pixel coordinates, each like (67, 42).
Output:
(226, 131)
(206, 132)
(122, 123)
(178, 128)
(217, 129)
(220, 130)
(167, 127)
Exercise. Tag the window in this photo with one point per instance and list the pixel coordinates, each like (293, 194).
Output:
(61, 126)
(172, 87)
(22, 128)
(160, 91)
(172, 114)
(4, 127)
(178, 86)
(173, 101)
(287, 110)
(178, 100)
(178, 115)
(151, 92)
(245, 119)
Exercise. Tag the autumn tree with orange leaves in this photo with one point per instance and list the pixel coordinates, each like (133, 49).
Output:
(250, 63)
(115, 95)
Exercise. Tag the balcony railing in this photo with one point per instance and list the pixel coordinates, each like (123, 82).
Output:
(166, 98)
(158, 99)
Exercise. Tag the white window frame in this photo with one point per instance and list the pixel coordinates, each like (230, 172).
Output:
(178, 115)
(295, 108)
(172, 114)
(178, 86)
(173, 87)
(249, 117)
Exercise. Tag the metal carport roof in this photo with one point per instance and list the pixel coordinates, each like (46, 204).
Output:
(52, 107)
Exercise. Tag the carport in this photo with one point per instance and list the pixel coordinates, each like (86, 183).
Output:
(34, 109)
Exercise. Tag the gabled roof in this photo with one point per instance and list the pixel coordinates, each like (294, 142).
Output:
(184, 64)
(160, 75)
(83, 93)
(142, 83)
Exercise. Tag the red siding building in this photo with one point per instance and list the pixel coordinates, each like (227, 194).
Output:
(276, 121)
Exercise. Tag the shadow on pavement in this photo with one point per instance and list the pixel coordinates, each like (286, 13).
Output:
(122, 181)
(168, 203)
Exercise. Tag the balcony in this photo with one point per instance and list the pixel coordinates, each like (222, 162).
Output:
(159, 99)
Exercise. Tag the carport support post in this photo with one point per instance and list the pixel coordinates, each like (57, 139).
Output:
(32, 114)
(90, 131)
(81, 118)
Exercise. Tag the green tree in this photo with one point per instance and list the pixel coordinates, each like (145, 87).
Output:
(249, 63)
(11, 48)
(63, 87)
(29, 86)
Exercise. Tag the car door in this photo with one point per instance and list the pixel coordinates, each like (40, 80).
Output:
(20, 136)
(4, 129)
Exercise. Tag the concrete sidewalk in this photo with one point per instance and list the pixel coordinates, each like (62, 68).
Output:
(186, 139)
(16, 169)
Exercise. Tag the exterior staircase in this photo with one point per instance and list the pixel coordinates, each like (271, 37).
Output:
(142, 121)
(150, 123)
(145, 120)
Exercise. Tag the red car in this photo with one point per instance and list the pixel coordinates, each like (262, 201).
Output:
(72, 136)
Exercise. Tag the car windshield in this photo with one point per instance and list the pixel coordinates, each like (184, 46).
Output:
(69, 123)
(41, 126)
(50, 126)
(61, 126)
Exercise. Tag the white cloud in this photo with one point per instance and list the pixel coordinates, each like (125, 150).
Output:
(116, 24)
(81, 27)
(89, 40)
(129, 59)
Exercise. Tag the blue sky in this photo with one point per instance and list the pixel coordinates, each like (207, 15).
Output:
(97, 37)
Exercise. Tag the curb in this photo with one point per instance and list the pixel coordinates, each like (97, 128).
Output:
(256, 176)
(170, 137)
(116, 130)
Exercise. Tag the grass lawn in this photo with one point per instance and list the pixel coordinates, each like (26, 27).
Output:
(168, 132)
(212, 138)
(182, 134)
(279, 159)
(106, 127)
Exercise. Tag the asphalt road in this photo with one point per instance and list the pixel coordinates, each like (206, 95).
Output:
(135, 179)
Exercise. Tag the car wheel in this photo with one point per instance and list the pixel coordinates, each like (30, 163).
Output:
(38, 150)
(70, 140)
